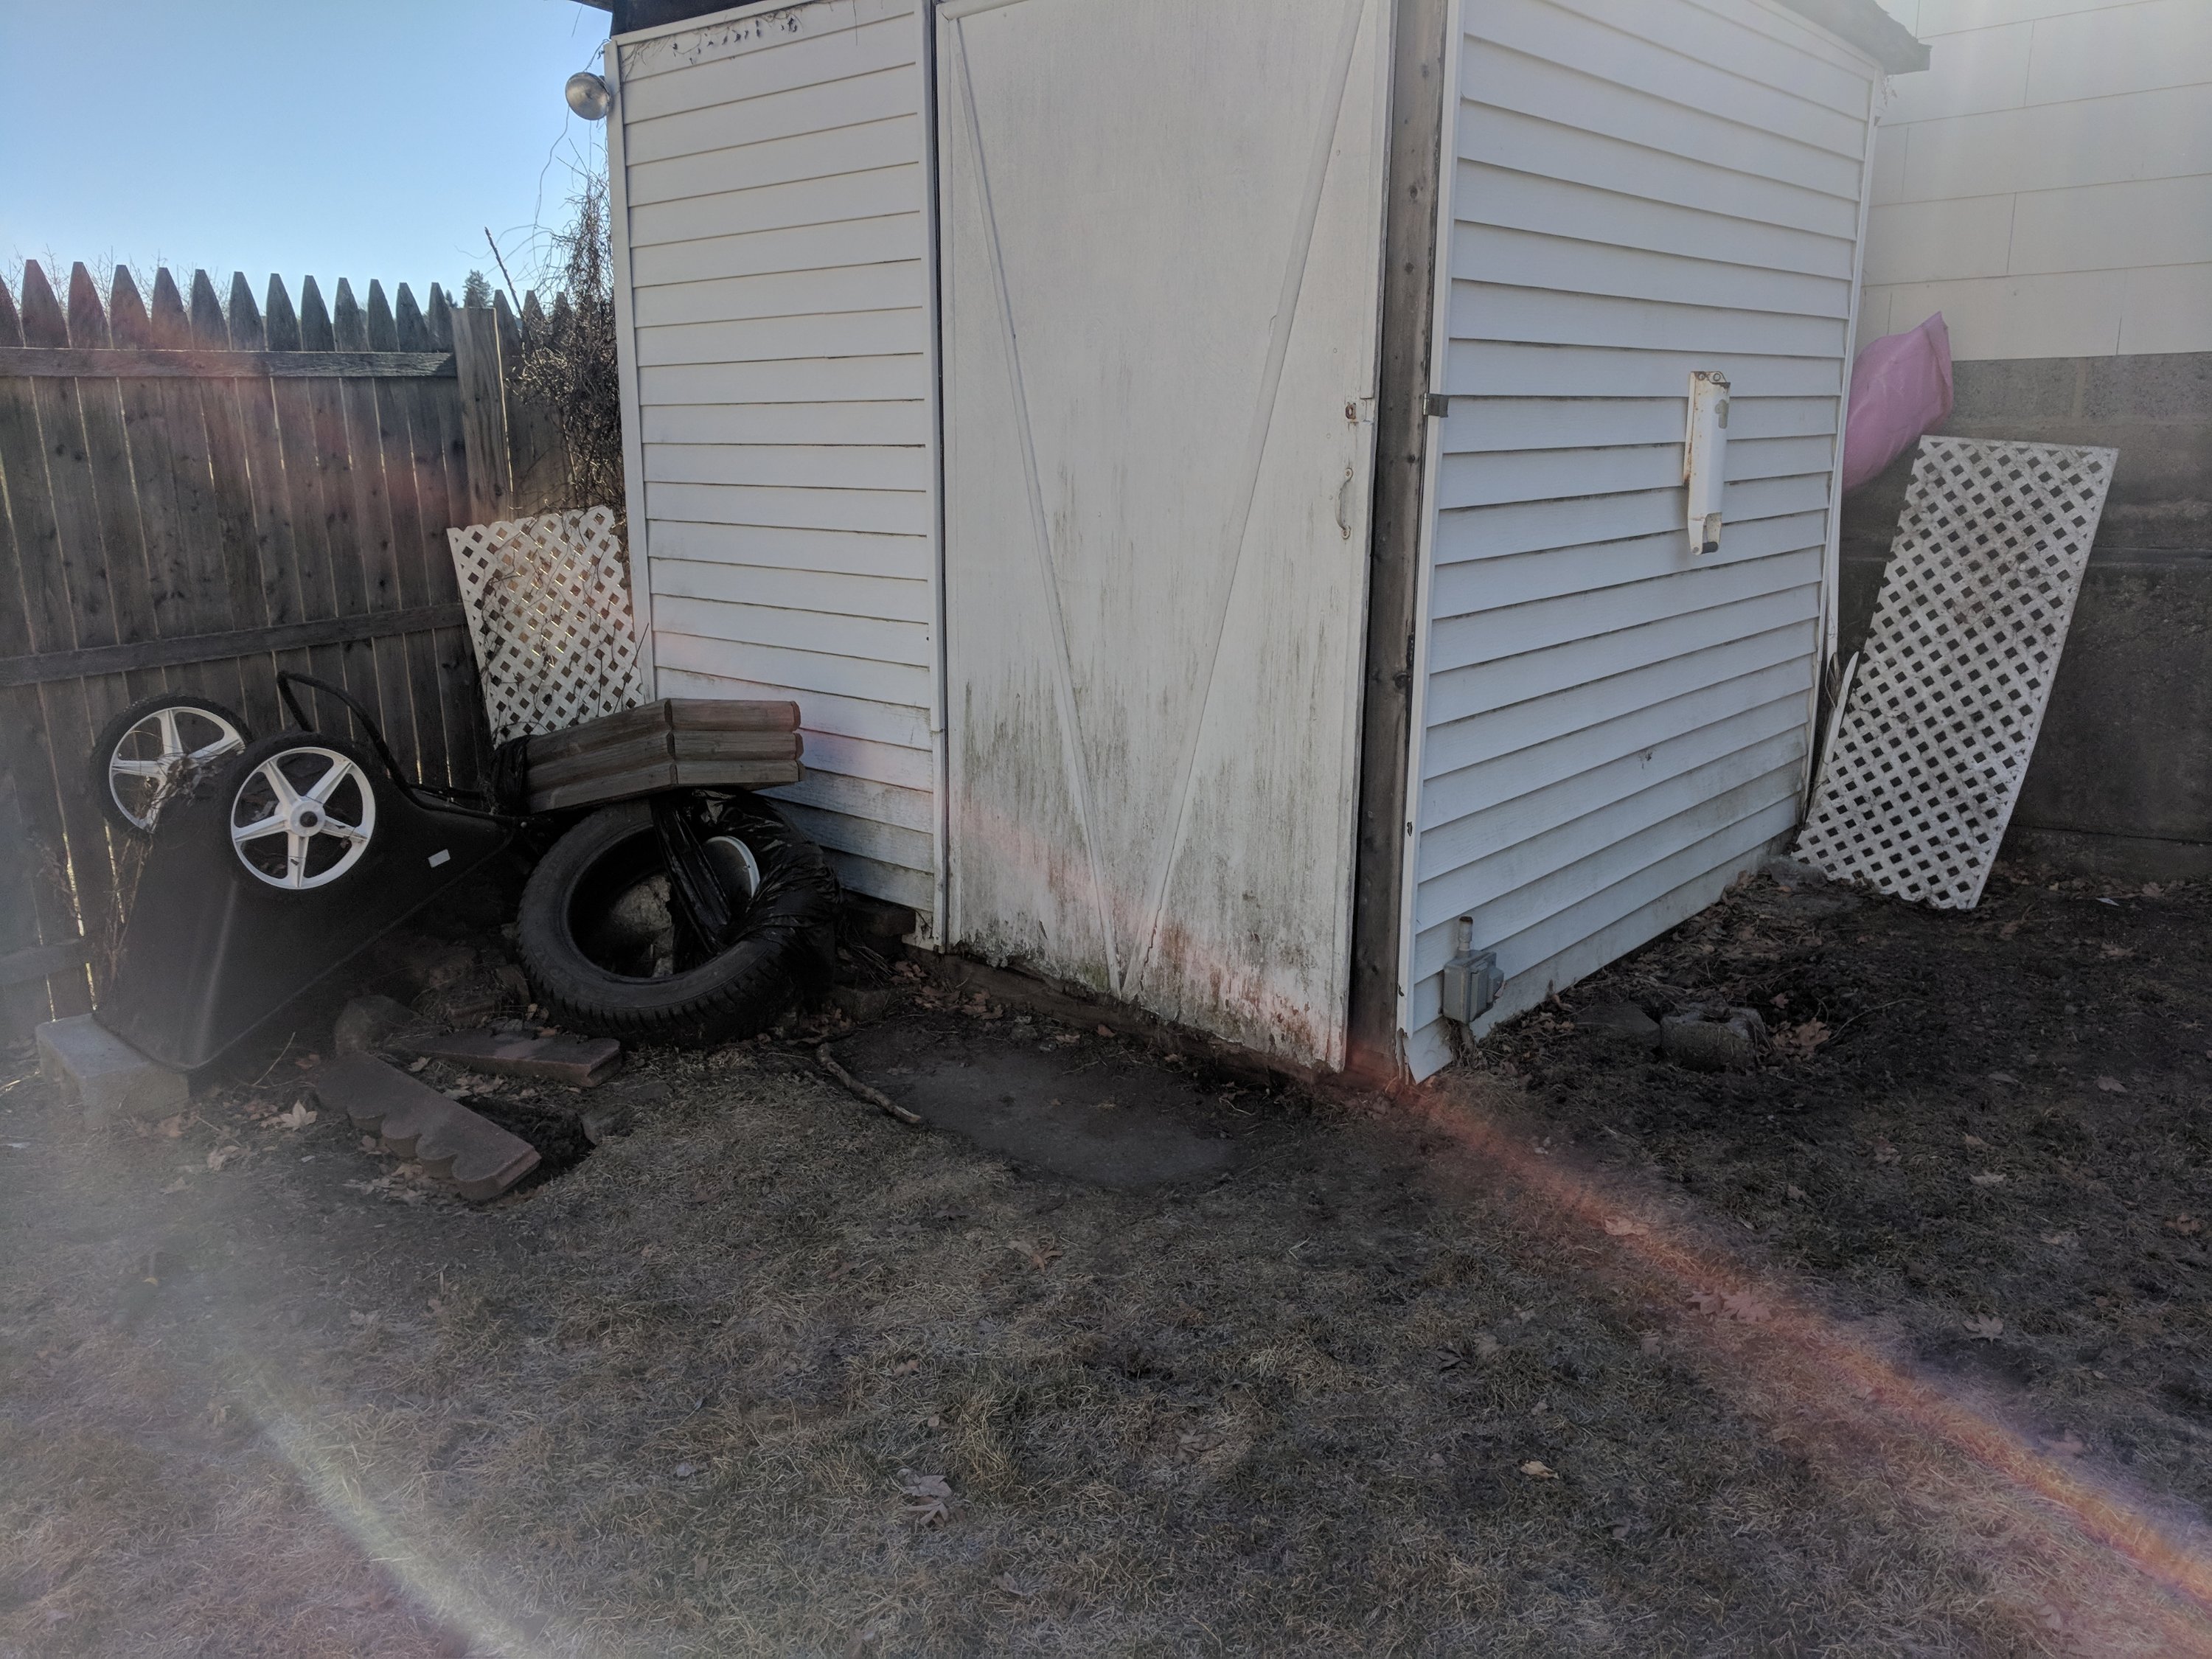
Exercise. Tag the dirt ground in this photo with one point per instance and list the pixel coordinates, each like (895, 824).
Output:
(1894, 1344)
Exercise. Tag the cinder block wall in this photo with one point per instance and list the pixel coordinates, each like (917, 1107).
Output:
(2122, 780)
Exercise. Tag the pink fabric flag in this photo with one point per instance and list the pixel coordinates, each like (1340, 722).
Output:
(1900, 387)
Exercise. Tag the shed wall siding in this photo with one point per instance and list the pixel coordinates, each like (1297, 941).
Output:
(1610, 729)
(776, 206)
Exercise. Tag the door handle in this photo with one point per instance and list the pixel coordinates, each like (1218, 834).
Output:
(1344, 504)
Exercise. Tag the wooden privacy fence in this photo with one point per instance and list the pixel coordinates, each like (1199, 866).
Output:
(194, 495)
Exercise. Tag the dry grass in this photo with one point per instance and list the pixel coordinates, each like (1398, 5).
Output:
(671, 1403)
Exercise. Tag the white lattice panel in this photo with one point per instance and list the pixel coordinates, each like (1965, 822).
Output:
(548, 603)
(1941, 718)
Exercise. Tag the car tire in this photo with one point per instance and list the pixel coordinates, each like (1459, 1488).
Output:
(592, 960)
(197, 718)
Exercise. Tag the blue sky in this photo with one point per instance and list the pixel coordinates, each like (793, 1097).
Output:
(351, 139)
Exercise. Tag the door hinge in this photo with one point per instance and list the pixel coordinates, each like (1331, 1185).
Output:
(1439, 403)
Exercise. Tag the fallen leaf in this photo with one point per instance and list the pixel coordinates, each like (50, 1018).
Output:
(2067, 1444)
(173, 1126)
(222, 1154)
(1105, 1031)
(2009, 930)
(1988, 1178)
(1651, 1342)
(417, 1065)
(1536, 1471)
(2116, 952)
(686, 1471)
(1485, 1345)
(1795, 1193)
(2187, 1225)
(308, 1062)
(1798, 1042)
(1883, 1152)
(1986, 1328)
(1708, 1302)
(298, 1118)
(1622, 1227)
(1974, 1140)
(177, 1186)
(2112, 1086)
(1746, 1308)
(2063, 1240)
(928, 1497)
(2004, 1076)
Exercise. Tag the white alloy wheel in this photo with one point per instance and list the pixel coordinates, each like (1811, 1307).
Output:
(303, 818)
(734, 863)
(159, 751)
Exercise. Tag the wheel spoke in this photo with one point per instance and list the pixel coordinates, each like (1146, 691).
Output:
(281, 785)
(296, 859)
(229, 743)
(273, 824)
(139, 769)
(343, 831)
(330, 780)
(172, 744)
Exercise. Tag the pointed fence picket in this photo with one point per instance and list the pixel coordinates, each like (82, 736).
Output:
(196, 491)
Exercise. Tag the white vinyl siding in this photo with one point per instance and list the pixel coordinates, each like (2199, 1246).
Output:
(2047, 183)
(776, 243)
(1610, 729)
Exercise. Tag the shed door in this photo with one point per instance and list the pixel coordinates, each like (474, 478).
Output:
(1161, 236)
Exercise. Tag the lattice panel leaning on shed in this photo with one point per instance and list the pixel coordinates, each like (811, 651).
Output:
(548, 603)
(1942, 719)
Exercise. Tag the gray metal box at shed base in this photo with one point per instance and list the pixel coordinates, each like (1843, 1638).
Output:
(1003, 385)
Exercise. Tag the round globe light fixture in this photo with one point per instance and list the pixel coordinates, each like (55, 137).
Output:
(589, 95)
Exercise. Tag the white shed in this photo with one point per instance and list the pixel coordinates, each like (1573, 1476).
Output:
(1214, 476)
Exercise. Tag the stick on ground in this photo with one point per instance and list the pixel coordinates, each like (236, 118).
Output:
(875, 1097)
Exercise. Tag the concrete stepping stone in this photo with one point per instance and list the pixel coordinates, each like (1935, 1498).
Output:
(102, 1073)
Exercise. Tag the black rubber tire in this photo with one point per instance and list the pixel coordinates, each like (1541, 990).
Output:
(785, 949)
(112, 735)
